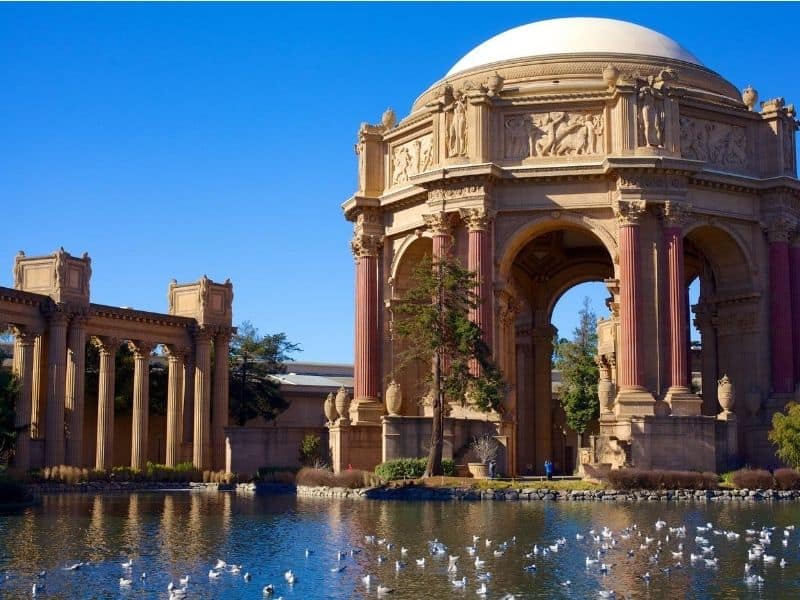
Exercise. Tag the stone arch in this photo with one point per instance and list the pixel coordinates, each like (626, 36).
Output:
(572, 280)
(727, 253)
(412, 249)
(545, 223)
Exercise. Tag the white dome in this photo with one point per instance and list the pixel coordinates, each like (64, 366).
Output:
(575, 35)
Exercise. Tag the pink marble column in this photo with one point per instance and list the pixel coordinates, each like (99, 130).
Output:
(780, 304)
(631, 373)
(141, 404)
(174, 400)
(676, 309)
(440, 225)
(367, 368)
(794, 267)
(201, 448)
(56, 386)
(479, 261)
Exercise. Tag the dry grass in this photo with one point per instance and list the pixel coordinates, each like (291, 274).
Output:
(353, 478)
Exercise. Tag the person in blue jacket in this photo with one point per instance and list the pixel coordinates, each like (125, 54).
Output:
(548, 469)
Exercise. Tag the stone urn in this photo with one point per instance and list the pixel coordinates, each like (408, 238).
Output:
(749, 97)
(494, 84)
(394, 398)
(725, 394)
(388, 119)
(610, 75)
(342, 403)
(478, 470)
(330, 408)
(605, 392)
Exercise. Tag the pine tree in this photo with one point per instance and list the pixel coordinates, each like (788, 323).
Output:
(433, 319)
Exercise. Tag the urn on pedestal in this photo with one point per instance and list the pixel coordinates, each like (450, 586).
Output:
(330, 408)
(343, 404)
(725, 394)
(394, 398)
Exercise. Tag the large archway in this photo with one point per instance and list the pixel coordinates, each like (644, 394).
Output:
(554, 259)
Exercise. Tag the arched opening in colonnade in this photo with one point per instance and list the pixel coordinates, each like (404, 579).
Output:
(728, 314)
(540, 268)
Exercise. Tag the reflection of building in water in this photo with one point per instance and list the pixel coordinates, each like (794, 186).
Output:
(97, 542)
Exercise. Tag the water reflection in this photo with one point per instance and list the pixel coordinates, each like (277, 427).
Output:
(174, 534)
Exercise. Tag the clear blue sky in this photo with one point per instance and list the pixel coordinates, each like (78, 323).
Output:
(172, 140)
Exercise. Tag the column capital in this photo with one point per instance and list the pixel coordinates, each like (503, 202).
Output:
(57, 313)
(477, 218)
(105, 343)
(364, 245)
(223, 336)
(203, 334)
(510, 306)
(780, 228)
(25, 335)
(141, 348)
(676, 214)
(439, 223)
(368, 221)
(629, 212)
(176, 352)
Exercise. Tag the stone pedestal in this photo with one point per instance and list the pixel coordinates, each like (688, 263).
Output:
(633, 402)
(354, 447)
(683, 403)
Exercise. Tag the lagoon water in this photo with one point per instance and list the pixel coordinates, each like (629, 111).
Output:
(172, 534)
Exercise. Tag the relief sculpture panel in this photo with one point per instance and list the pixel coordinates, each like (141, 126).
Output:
(719, 144)
(411, 158)
(553, 133)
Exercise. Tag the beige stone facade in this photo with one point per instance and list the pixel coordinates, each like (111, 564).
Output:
(51, 315)
(642, 170)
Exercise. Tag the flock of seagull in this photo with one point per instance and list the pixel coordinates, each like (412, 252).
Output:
(665, 549)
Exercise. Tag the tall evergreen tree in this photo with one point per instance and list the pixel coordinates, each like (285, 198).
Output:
(433, 319)
(579, 373)
(253, 357)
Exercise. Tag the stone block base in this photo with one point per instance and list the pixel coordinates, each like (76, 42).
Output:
(683, 403)
(634, 403)
(357, 447)
(366, 411)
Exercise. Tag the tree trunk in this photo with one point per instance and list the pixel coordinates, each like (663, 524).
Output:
(434, 466)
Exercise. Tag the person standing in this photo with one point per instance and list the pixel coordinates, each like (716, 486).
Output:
(548, 469)
(491, 469)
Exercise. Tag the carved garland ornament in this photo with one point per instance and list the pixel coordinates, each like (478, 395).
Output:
(553, 133)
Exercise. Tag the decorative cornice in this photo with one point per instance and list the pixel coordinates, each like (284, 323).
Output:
(139, 316)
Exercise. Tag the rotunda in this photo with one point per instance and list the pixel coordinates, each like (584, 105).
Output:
(574, 150)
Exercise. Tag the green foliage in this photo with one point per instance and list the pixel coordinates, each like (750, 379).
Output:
(411, 468)
(579, 373)
(785, 434)
(252, 359)
(9, 389)
(432, 319)
(310, 450)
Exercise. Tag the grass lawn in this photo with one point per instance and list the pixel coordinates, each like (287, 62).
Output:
(494, 484)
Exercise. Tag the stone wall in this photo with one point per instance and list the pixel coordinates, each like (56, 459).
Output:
(249, 448)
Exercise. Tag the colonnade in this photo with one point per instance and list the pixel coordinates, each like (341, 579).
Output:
(51, 362)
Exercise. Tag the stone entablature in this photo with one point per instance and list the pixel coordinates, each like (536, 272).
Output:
(52, 319)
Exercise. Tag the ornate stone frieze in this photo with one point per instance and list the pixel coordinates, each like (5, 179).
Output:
(676, 214)
(736, 322)
(719, 144)
(553, 133)
(652, 181)
(411, 158)
(363, 245)
(457, 192)
(629, 212)
(476, 218)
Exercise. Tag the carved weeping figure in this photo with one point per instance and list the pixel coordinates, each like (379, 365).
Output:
(457, 132)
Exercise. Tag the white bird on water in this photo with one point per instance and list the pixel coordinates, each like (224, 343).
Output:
(212, 574)
(482, 591)
(459, 583)
(125, 582)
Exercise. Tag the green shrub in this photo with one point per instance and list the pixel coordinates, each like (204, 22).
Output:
(411, 468)
(448, 467)
(310, 450)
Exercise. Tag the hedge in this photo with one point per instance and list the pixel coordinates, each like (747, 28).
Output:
(411, 468)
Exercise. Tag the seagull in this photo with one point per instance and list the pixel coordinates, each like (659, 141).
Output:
(338, 569)
(399, 565)
(290, 577)
(309, 552)
(578, 536)
(37, 587)
(783, 563)
(221, 564)
(74, 567)
(382, 589)
(247, 577)
(403, 550)
(421, 562)
(125, 582)
(483, 576)
(268, 590)
(479, 563)
(184, 581)
(127, 564)
(459, 583)
(367, 579)
(482, 591)
(212, 574)
(607, 594)
(529, 568)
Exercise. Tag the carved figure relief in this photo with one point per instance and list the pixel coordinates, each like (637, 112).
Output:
(61, 268)
(651, 114)
(411, 158)
(553, 133)
(457, 126)
(18, 270)
(719, 144)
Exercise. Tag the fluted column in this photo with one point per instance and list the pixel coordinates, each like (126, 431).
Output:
(107, 347)
(23, 365)
(187, 407)
(780, 304)
(367, 369)
(75, 379)
(794, 267)
(201, 449)
(680, 398)
(56, 385)
(479, 261)
(38, 387)
(219, 412)
(174, 399)
(440, 225)
(633, 398)
(141, 403)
